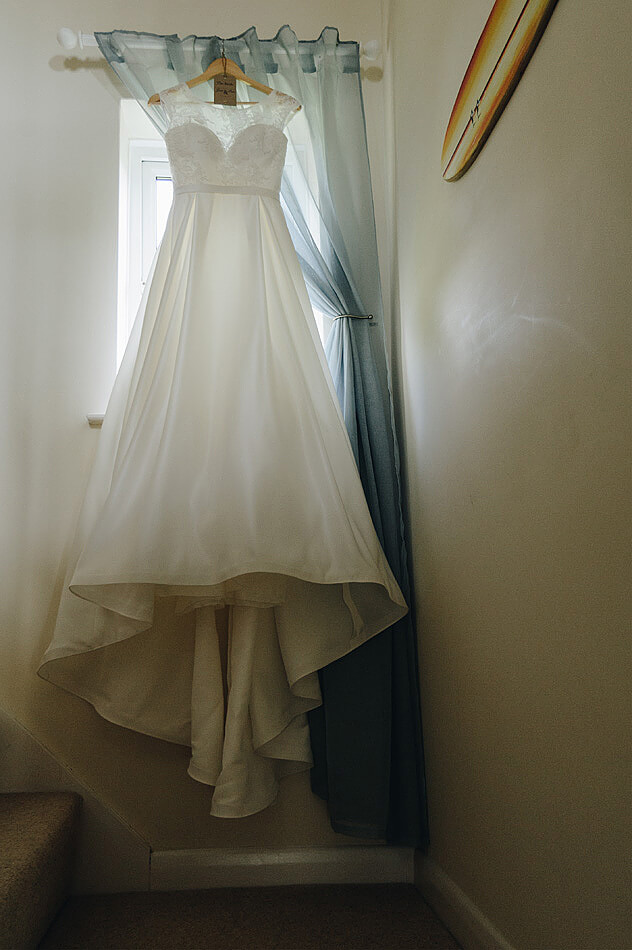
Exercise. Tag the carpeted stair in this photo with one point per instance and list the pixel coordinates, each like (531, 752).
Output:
(37, 836)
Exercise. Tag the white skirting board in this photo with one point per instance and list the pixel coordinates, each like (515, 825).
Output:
(461, 916)
(188, 870)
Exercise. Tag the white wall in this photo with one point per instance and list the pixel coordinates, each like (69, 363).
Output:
(515, 310)
(58, 265)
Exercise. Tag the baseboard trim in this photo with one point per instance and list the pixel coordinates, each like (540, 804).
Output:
(245, 867)
(461, 916)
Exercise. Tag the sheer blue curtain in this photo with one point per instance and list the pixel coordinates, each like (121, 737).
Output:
(366, 738)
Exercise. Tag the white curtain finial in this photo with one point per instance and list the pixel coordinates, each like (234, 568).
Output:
(371, 50)
(67, 38)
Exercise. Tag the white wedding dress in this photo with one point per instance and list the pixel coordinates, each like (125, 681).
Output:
(224, 477)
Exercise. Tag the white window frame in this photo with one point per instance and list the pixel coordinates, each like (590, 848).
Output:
(152, 170)
(146, 158)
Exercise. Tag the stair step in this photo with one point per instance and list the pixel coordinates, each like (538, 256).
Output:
(37, 836)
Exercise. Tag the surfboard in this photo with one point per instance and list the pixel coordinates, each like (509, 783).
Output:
(505, 46)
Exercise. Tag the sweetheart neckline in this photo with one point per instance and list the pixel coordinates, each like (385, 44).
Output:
(226, 149)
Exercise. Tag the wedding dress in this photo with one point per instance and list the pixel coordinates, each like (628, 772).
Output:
(224, 477)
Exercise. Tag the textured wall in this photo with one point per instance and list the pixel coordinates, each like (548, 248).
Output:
(59, 204)
(515, 307)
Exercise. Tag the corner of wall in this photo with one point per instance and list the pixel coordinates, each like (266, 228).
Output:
(461, 916)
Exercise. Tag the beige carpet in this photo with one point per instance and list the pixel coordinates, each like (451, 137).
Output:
(331, 917)
(37, 835)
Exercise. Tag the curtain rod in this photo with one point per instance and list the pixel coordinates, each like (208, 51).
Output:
(71, 39)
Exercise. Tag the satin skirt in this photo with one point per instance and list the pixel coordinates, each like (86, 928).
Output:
(224, 478)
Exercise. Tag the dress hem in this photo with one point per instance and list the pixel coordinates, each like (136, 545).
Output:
(101, 580)
(101, 709)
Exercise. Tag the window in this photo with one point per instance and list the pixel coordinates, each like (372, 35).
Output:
(145, 191)
(145, 195)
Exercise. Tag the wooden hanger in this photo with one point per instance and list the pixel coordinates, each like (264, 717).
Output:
(221, 66)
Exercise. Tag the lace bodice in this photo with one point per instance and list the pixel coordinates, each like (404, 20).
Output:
(239, 146)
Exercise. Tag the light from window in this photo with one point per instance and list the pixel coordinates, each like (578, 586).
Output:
(164, 197)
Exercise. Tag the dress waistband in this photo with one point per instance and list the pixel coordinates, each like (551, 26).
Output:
(226, 190)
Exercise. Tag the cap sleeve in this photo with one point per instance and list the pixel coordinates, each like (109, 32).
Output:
(284, 108)
(168, 99)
